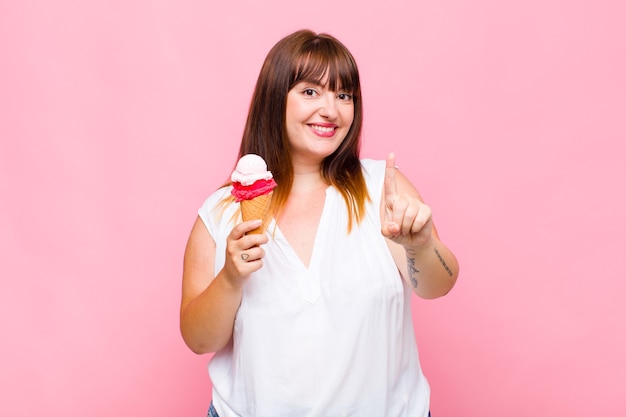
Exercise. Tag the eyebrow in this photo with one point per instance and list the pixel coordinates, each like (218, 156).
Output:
(313, 82)
(319, 84)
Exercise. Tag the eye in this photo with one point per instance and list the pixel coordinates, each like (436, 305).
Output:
(309, 92)
(344, 97)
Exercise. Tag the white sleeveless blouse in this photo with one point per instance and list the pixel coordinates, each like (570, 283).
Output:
(334, 339)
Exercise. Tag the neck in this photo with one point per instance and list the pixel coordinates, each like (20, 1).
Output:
(307, 182)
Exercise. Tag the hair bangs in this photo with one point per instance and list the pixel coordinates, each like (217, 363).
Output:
(326, 64)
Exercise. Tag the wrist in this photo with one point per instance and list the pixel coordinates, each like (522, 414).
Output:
(229, 283)
(419, 248)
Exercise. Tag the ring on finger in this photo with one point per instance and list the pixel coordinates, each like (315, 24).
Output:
(244, 256)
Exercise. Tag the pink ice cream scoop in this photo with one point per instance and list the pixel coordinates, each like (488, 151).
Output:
(252, 188)
(251, 178)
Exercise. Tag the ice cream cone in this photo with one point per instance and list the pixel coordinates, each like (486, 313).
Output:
(257, 208)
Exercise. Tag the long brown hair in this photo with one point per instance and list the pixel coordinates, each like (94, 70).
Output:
(306, 56)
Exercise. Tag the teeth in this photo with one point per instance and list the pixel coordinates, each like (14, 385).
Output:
(323, 129)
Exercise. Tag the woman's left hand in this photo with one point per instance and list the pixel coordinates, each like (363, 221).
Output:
(408, 221)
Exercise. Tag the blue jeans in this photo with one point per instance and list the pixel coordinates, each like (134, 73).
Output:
(213, 413)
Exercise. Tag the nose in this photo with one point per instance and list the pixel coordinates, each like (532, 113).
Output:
(328, 106)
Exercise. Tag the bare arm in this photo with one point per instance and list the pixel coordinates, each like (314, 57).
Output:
(209, 303)
(429, 267)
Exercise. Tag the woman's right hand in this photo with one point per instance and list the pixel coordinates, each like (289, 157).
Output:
(244, 254)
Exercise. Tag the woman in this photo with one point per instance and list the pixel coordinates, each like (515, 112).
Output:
(313, 317)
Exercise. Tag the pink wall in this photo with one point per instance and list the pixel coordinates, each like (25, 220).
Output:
(118, 117)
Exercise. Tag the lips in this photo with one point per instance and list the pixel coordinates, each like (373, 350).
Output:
(324, 129)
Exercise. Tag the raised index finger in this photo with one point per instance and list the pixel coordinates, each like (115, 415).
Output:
(390, 180)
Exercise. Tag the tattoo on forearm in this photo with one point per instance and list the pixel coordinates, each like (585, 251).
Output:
(443, 262)
(413, 271)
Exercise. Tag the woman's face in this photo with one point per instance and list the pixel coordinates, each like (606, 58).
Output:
(317, 120)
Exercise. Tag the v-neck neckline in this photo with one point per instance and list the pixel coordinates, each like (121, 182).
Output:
(318, 241)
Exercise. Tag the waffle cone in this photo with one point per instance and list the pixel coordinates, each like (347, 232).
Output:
(257, 208)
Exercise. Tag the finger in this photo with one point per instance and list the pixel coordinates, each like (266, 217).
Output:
(397, 215)
(239, 243)
(244, 227)
(253, 254)
(411, 216)
(390, 181)
(424, 216)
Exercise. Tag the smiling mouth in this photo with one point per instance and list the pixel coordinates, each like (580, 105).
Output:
(323, 129)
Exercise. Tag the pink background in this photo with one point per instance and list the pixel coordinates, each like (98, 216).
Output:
(118, 118)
